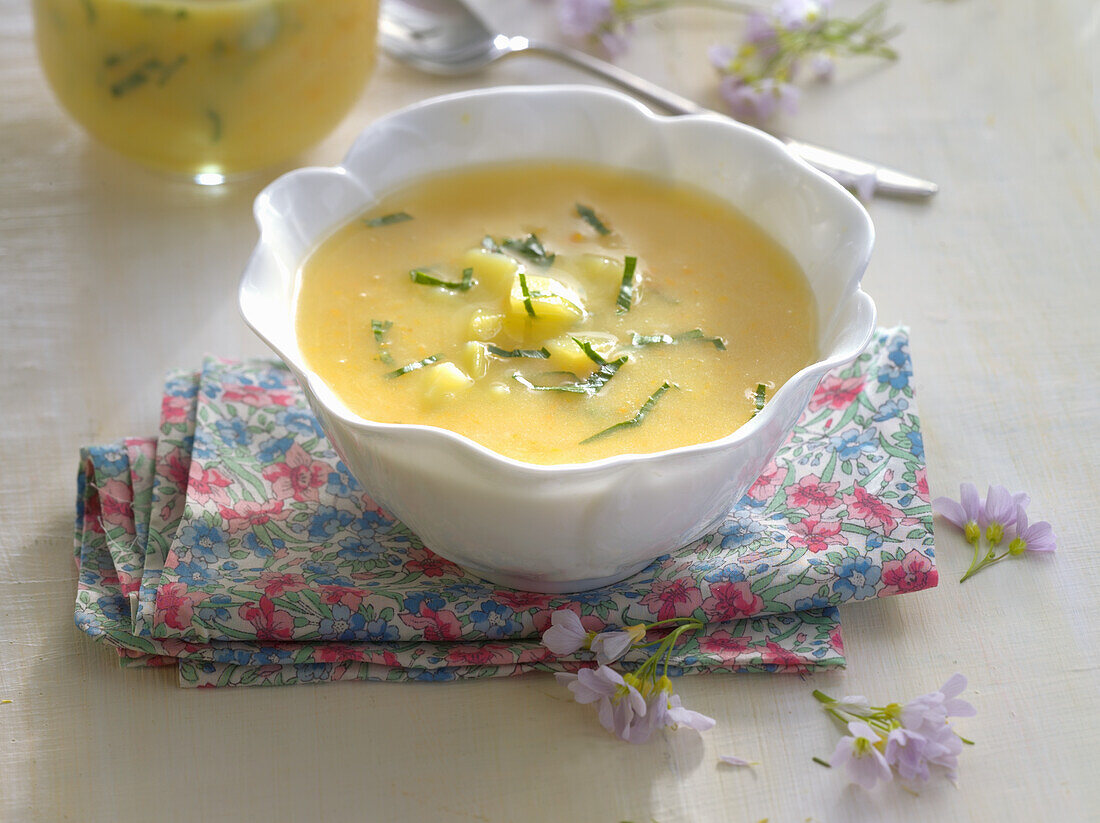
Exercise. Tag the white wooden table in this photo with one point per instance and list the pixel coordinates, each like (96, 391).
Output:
(109, 277)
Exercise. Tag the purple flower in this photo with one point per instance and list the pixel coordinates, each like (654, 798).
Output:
(619, 703)
(928, 713)
(1036, 537)
(665, 710)
(610, 646)
(594, 19)
(759, 100)
(966, 514)
(800, 14)
(905, 751)
(584, 18)
(566, 635)
(858, 752)
(999, 512)
(730, 760)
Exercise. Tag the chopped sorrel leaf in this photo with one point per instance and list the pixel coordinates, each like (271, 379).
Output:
(589, 216)
(540, 354)
(638, 417)
(668, 339)
(489, 244)
(531, 248)
(388, 219)
(626, 289)
(215, 125)
(419, 364)
(425, 278)
(591, 384)
(379, 328)
(758, 398)
(592, 354)
(527, 304)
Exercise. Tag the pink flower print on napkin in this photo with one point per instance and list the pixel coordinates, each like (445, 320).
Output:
(115, 504)
(175, 409)
(275, 584)
(430, 564)
(837, 392)
(912, 573)
(270, 623)
(173, 606)
(209, 484)
(724, 643)
(176, 469)
(817, 535)
(811, 494)
(342, 596)
(520, 601)
(876, 513)
(246, 515)
(299, 477)
(672, 598)
(731, 600)
(775, 655)
(425, 615)
(472, 654)
(922, 484)
(768, 483)
(256, 396)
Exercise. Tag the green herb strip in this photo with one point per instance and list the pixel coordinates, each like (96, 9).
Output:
(626, 289)
(215, 125)
(758, 399)
(670, 340)
(589, 216)
(538, 354)
(527, 304)
(531, 248)
(380, 327)
(151, 69)
(591, 384)
(419, 364)
(428, 279)
(638, 417)
(489, 244)
(388, 219)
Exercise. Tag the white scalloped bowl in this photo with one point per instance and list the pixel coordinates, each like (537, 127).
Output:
(571, 527)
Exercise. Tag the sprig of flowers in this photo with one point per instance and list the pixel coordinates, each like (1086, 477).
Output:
(609, 22)
(758, 77)
(999, 522)
(913, 740)
(632, 705)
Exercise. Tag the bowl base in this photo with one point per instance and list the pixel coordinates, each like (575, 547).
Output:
(529, 583)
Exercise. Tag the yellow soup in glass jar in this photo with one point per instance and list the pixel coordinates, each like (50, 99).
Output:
(555, 313)
(207, 88)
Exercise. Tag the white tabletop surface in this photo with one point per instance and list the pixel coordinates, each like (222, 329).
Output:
(109, 277)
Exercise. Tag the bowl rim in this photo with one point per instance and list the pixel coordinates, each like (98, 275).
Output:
(483, 454)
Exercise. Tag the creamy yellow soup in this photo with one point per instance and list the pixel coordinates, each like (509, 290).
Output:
(209, 87)
(555, 313)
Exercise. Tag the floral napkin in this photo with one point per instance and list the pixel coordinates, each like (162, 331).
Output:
(238, 547)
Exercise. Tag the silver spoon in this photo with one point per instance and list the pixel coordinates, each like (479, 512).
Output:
(445, 37)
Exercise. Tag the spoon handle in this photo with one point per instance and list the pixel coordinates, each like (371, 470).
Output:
(846, 170)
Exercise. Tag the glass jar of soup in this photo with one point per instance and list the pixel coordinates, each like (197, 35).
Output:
(207, 88)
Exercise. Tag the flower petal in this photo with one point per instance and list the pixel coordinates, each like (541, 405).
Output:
(951, 511)
(730, 760)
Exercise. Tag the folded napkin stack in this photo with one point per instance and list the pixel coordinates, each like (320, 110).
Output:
(237, 547)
